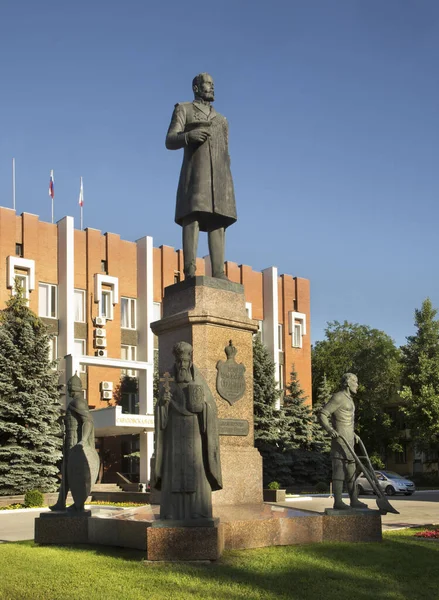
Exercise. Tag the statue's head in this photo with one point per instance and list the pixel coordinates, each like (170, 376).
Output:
(202, 86)
(349, 381)
(182, 352)
(74, 385)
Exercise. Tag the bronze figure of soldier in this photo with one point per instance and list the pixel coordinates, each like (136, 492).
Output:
(80, 460)
(337, 418)
(205, 195)
(187, 457)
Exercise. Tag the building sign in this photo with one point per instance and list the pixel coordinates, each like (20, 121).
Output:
(126, 420)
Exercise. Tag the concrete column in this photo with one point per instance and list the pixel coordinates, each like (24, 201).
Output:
(66, 285)
(271, 315)
(145, 347)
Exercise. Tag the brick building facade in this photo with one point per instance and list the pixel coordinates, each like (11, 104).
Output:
(98, 295)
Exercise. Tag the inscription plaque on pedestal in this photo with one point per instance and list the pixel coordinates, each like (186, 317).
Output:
(233, 427)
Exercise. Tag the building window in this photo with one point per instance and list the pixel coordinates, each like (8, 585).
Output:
(297, 328)
(47, 296)
(248, 309)
(80, 351)
(130, 403)
(22, 282)
(401, 457)
(281, 377)
(156, 311)
(261, 331)
(24, 270)
(79, 306)
(128, 313)
(103, 266)
(297, 335)
(53, 350)
(19, 250)
(128, 353)
(280, 329)
(106, 306)
(177, 277)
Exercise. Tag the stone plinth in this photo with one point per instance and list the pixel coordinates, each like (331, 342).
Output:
(364, 526)
(59, 529)
(185, 543)
(207, 313)
(114, 532)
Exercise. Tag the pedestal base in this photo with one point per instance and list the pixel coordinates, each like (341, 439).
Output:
(185, 543)
(61, 529)
(357, 526)
(242, 476)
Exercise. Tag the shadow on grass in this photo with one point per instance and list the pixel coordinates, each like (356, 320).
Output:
(401, 567)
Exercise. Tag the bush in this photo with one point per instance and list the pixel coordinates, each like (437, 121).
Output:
(274, 485)
(425, 479)
(33, 498)
(321, 487)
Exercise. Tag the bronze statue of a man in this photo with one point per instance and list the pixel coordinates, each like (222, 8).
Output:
(337, 418)
(80, 460)
(205, 195)
(187, 459)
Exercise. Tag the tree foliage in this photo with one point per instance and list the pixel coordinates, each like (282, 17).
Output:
(300, 422)
(30, 434)
(420, 379)
(372, 355)
(265, 395)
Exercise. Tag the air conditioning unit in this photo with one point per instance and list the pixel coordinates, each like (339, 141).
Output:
(106, 385)
(106, 395)
(99, 332)
(100, 342)
(100, 321)
(101, 353)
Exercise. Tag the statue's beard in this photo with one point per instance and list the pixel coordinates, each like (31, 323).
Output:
(207, 96)
(184, 375)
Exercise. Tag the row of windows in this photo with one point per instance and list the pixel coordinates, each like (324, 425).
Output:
(48, 304)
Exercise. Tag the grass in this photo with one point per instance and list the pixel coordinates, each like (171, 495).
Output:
(403, 567)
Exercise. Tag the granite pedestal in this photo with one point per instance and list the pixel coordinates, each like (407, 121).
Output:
(207, 313)
(61, 528)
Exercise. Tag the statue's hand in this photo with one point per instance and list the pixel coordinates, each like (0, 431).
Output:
(333, 434)
(197, 136)
(356, 438)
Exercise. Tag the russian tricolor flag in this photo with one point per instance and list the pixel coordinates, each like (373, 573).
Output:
(51, 185)
(81, 195)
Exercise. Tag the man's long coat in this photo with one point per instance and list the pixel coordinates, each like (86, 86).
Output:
(205, 189)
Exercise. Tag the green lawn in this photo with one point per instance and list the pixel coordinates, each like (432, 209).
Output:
(402, 567)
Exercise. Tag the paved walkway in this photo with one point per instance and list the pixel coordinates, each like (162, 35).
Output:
(420, 509)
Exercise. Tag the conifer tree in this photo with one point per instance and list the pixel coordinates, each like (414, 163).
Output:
(267, 420)
(300, 424)
(30, 434)
(303, 437)
(420, 379)
(322, 441)
(265, 395)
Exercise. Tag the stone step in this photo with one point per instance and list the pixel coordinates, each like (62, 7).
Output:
(105, 487)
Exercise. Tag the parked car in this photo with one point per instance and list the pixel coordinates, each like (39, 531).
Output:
(391, 483)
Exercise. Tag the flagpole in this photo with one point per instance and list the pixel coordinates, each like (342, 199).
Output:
(52, 191)
(13, 183)
(81, 201)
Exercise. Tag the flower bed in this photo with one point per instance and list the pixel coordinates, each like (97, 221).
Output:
(428, 534)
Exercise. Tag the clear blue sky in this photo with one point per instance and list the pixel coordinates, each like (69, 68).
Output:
(333, 109)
